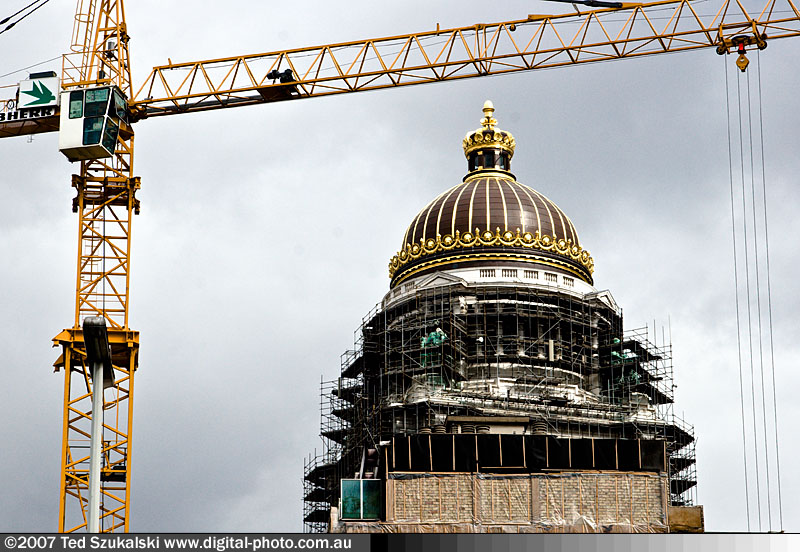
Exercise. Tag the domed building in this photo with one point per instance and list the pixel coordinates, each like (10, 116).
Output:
(494, 389)
(490, 219)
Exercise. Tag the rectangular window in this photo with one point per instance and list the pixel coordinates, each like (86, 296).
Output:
(76, 104)
(110, 136)
(487, 273)
(92, 130)
(549, 277)
(509, 273)
(98, 95)
(120, 107)
(96, 102)
(532, 274)
(569, 281)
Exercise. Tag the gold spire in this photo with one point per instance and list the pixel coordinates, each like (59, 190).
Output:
(488, 121)
(488, 136)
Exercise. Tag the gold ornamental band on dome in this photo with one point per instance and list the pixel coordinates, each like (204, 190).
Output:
(526, 240)
(487, 136)
(535, 260)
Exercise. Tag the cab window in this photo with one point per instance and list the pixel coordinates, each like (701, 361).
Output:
(119, 107)
(92, 130)
(76, 104)
(96, 101)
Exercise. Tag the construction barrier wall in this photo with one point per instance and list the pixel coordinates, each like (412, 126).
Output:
(595, 502)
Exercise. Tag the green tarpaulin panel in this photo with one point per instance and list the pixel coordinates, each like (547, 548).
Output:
(361, 499)
(351, 499)
(371, 498)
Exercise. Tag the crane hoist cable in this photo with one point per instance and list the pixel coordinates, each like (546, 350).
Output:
(736, 297)
(753, 295)
(758, 291)
(769, 297)
(748, 294)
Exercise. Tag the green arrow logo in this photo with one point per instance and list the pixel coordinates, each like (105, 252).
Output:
(42, 94)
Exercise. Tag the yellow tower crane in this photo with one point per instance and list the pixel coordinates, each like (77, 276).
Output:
(94, 106)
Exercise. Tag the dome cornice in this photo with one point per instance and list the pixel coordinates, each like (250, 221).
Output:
(525, 241)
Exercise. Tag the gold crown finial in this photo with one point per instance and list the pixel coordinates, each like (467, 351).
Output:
(488, 136)
(488, 120)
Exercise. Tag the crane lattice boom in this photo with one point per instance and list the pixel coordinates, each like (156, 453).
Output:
(536, 42)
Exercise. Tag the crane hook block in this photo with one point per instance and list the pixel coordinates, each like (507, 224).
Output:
(742, 62)
(740, 43)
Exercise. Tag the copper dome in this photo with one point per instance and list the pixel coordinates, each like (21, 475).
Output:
(490, 218)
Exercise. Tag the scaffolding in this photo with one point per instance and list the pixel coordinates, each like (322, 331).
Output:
(639, 368)
(432, 354)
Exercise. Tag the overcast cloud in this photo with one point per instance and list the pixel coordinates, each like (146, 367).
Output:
(266, 231)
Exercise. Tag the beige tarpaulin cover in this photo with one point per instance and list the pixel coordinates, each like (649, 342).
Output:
(575, 502)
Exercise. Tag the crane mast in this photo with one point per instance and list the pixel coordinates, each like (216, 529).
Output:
(105, 202)
(106, 188)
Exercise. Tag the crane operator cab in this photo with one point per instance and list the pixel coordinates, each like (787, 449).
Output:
(91, 120)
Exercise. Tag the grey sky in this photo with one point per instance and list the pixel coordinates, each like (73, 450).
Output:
(266, 232)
